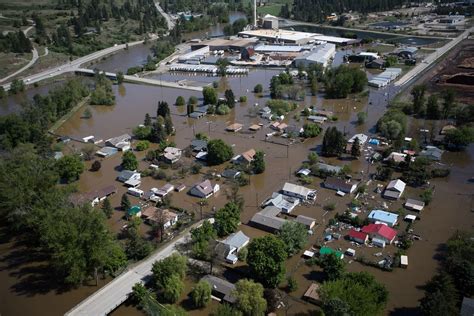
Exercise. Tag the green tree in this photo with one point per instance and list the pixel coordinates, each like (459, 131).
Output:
(147, 122)
(313, 158)
(311, 130)
(168, 275)
(180, 101)
(392, 130)
(210, 95)
(163, 109)
(333, 142)
(432, 108)
(226, 310)
(417, 173)
(107, 208)
(258, 162)
(459, 138)
(193, 100)
(336, 307)
(17, 86)
(418, 94)
(96, 165)
(70, 168)
(361, 117)
(218, 152)
(249, 297)
(266, 258)
(129, 161)
(448, 102)
(227, 219)
(355, 149)
(142, 145)
(427, 196)
(142, 132)
(229, 98)
(125, 203)
(80, 244)
(222, 64)
(120, 77)
(294, 235)
(201, 294)
(175, 264)
(258, 88)
(360, 292)
(173, 287)
(136, 247)
(292, 284)
(332, 266)
(440, 297)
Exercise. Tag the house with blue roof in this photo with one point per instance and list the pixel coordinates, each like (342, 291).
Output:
(379, 216)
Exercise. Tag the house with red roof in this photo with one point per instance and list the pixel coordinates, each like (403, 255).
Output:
(381, 232)
(358, 236)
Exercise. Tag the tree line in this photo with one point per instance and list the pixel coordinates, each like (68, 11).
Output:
(15, 42)
(317, 10)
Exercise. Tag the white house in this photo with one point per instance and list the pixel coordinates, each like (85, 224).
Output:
(130, 178)
(298, 191)
(229, 248)
(204, 189)
(394, 189)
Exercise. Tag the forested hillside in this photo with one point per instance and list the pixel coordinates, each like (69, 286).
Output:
(317, 10)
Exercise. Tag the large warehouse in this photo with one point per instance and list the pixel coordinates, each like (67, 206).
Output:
(321, 54)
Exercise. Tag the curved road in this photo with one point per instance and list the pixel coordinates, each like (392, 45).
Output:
(28, 65)
(168, 18)
(31, 62)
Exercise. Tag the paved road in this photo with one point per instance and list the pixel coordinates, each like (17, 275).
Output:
(28, 65)
(73, 65)
(288, 22)
(431, 59)
(116, 292)
(168, 18)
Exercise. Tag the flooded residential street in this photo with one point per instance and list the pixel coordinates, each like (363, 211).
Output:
(23, 293)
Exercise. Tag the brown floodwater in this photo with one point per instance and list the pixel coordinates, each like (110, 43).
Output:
(24, 291)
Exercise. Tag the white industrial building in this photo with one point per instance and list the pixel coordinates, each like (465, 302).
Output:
(321, 54)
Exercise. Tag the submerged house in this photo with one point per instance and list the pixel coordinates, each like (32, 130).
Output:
(204, 189)
(387, 218)
(130, 178)
(380, 232)
(229, 248)
(284, 203)
(394, 189)
(267, 219)
(298, 191)
(340, 185)
(121, 142)
(171, 154)
(222, 290)
(244, 158)
(156, 216)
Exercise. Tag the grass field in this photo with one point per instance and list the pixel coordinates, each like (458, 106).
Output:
(272, 7)
(10, 62)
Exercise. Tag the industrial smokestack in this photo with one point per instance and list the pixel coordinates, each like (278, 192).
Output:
(255, 13)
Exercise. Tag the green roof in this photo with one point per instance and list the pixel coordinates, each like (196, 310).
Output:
(134, 210)
(328, 251)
